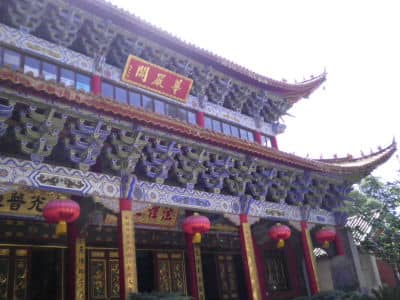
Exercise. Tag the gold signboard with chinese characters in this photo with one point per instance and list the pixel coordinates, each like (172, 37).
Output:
(158, 216)
(199, 272)
(80, 269)
(26, 202)
(156, 79)
(129, 252)
(153, 216)
(251, 261)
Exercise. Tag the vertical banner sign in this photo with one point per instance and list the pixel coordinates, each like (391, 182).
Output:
(199, 272)
(156, 79)
(129, 252)
(251, 261)
(80, 269)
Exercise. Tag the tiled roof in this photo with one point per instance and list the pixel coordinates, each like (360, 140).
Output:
(119, 15)
(355, 168)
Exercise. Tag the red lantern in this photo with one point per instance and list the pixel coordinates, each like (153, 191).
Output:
(61, 212)
(324, 236)
(196, 225)
(279, 233)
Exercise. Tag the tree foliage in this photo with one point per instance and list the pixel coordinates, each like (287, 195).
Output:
(376, 207)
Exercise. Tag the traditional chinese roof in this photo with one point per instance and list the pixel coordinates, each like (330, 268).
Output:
(108, 34)
(367, 162)
(123, 17)
(351, 168)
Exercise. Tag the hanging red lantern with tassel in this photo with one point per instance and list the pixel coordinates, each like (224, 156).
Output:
(196, 225)
(279, 233)
(61, 211)
(325, 236)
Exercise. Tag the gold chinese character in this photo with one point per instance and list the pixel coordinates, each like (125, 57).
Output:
(142, 72)
(177, 85)
(159, 80)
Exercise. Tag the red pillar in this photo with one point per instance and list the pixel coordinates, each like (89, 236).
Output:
(257, 137)
(249, 260)
(126, 248)
(294, 273)
(261, 270)
(200, 119)
(339, 243)
(196, 284)
(309, 258)
(96, 84)
(274, 142)
(77, 264)
(191, 266)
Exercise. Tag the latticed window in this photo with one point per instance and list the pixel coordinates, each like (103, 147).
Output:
(276, 269)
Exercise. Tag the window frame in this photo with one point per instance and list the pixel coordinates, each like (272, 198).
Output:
(76, 81)
(20, 58)
(24, 59)
(270, 255)
(115, 87)
(243, 133)
(137, 93)
(194, 114)
(42, 63)
(164, 112)
(112, 89)
(267, 139)
(208, 120)
(182, 113)
(60, 68)
(229, 128)
(151, 100)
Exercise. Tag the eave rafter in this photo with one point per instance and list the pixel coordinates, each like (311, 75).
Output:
(195, 133)
(91, 27)
(161, 149)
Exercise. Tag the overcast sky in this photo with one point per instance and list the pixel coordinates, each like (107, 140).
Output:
(357, 42)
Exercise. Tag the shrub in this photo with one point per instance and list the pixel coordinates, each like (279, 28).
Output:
(329, 295)
(386, 293)
(158, 295)
(337, 295)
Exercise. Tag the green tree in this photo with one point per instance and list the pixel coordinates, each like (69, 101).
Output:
(375, 216)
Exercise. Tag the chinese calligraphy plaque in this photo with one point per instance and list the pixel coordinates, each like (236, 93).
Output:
(60, 182)
(25, 202)
(156, 79)
(158, 216)
(199, 272)
(129, 252)
(80, 269)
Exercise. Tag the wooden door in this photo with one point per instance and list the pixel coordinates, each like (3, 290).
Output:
(226, 273)
(14, 265)
(103, 273)
(170, 272)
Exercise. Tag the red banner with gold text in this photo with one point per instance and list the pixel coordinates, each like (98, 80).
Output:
(157, 79)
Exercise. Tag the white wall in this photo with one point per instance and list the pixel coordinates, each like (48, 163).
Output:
(324, 274)
(370, 271)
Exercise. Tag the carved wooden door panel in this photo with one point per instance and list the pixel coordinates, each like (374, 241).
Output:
(14, 264)
(226, 273)
(103, 273)
(170, 272)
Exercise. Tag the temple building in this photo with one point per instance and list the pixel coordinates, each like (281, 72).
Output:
(131, 161)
